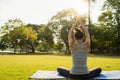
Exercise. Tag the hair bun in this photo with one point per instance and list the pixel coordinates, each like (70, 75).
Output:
(78, 30)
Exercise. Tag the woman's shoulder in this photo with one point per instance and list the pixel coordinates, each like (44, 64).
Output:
(72, 46)
(86, 47)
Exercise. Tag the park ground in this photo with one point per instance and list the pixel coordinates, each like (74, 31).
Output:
(21, 67)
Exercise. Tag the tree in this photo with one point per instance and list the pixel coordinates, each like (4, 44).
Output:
(36, 28)
(31, 37)
(19, 36)
(46, 37)
(23, 36)
(5, 29)
(102, 39)
(111, 19)
(61, 23)
(89, 12)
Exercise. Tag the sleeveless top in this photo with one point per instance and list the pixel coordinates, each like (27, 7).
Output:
(79, 61)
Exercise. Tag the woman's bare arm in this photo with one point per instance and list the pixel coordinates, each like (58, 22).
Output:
(87, 35)
(70, 35)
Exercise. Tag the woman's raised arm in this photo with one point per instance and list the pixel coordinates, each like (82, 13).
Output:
(87, 35)
(70, 34)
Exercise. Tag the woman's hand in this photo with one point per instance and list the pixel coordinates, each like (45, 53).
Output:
(78, 18)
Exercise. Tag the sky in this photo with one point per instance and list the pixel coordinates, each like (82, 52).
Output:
(41, 11)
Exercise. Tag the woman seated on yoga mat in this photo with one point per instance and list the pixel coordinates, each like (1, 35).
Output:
(79, 44)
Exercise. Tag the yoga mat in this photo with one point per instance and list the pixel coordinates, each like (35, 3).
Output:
(41, 74)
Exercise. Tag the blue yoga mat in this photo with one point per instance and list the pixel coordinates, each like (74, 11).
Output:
(40, 74)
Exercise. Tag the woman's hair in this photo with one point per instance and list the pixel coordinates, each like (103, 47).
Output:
(78, 33)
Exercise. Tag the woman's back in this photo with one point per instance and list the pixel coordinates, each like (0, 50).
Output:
(79, 60)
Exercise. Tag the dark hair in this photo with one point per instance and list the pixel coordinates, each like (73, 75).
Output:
(78, 34)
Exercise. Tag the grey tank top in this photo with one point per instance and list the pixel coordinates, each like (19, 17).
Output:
(79, 61)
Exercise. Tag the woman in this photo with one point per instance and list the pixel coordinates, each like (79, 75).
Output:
(79, 44)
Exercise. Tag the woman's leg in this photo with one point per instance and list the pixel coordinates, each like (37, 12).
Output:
(94, 72)
(63, 71)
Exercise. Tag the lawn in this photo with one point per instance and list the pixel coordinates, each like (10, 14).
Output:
(20, 67)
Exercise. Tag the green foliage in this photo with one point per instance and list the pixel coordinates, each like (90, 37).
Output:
(105, 16)
(101, 38)
(10, 25)
(111, 5)
(22, 36)
(61, 23)
(110, 18)
(46, 38)
(6, 30)
(17, 35)
(3, 44)
(59, 46)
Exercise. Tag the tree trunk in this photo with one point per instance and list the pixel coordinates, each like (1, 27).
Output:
(15, 48)
(33, 50)
(89, 24)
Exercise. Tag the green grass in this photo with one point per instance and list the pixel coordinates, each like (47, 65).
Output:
(20, 67)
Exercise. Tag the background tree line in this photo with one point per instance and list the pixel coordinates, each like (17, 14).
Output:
(105, 35)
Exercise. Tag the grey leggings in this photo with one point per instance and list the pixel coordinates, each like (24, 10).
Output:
(92, 73)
